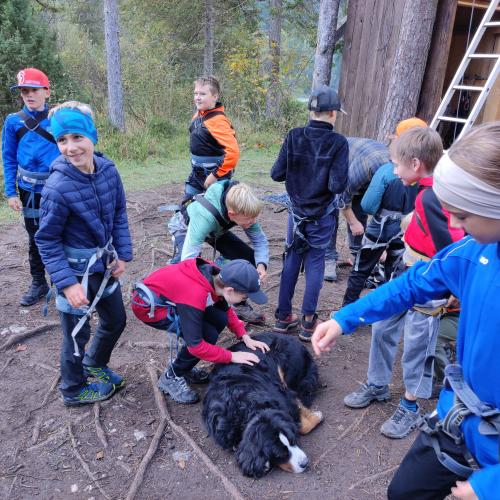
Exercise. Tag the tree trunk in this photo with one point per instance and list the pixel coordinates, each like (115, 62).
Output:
(273, 97)
(327, 25)
(208, 54)
(409, 64)
(435, 71)
(115, 89)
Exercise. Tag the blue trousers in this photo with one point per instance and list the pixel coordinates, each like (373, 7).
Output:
(318, 234)
(112, 321)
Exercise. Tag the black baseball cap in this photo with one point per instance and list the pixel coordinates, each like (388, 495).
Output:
(324, 98)
(244, 278)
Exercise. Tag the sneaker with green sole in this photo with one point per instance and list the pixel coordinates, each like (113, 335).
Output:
(91, 393)
(104, 374)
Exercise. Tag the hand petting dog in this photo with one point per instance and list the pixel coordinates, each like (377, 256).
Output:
(248, 358)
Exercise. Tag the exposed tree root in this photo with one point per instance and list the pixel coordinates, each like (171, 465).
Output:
(6, 364)
(86, 468)
(373, 477)
(164, 419)
(19, 337)
(98, 427)
(146, 344)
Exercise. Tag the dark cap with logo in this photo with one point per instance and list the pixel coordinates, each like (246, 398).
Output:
(324, 98)
(243, 277)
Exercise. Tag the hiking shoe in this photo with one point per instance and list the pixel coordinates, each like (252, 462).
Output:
(104, 374)
(289, 323)
(307, 328)
(197, 376)
(366, 394)
(401, 423)
(177, 388)
(36, 292)
(330, 270)
(92, 392)
(247, 314)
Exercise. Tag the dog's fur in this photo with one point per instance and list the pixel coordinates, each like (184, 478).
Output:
(259, 410)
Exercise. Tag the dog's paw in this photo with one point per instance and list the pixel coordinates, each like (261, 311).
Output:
(318, 414)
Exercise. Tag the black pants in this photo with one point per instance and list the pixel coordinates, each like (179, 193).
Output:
(37, 269)
(421, 476)
(214, 321)
(231, 247)
(112, 321)
(368, 259)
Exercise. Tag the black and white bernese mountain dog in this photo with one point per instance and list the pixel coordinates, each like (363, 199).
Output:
(259, 411)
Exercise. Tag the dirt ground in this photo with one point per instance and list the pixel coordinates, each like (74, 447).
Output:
(50, 451)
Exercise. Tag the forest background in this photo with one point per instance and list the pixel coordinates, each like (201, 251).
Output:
(163, 46)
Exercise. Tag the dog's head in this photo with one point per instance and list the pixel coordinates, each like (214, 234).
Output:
(270, 438)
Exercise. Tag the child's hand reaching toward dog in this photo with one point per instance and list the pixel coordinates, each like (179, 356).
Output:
(254, 344)
(245, 358)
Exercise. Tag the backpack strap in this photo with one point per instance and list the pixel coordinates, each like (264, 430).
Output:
(33, 125)
(218, 217)
(207, 116)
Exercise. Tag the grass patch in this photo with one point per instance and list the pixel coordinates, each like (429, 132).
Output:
(253, 168)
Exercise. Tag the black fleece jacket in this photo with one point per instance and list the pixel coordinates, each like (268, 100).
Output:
(313, 162)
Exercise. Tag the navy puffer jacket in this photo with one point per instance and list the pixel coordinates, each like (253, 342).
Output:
(81, 210)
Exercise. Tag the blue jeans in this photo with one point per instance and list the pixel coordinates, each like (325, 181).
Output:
(318, 234)
(112, 321)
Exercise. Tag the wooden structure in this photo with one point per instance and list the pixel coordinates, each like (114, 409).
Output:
(370, 43)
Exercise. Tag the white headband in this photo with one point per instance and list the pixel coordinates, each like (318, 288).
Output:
(458, 188)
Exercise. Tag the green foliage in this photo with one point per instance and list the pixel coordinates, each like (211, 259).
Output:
(26, 41)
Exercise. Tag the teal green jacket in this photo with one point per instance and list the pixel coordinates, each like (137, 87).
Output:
(203, 225)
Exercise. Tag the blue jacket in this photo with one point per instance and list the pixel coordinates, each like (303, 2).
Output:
(81, 211)
(313, 162)
(471, 272)
(32, 153)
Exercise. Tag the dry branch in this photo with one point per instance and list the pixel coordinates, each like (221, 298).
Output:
(372, 477)
(86, 468)
(6, 364)
(165, 418)
(98, 427)
(19, 337)
(146, 344)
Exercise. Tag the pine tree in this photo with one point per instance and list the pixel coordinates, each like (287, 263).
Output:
(26, 41)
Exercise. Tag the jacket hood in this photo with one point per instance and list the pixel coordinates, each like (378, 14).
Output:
(426, 181)
(190, 268)
(61, 164)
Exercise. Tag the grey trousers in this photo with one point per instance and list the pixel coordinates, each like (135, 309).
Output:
(419, 345)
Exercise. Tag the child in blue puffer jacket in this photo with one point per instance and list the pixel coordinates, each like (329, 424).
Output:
(84, 242)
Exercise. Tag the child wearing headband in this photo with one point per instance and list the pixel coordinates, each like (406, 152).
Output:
(458, 449)
(84, 241)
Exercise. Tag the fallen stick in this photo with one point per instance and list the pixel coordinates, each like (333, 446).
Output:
(19, 337)
(354, 424)
(98, 428)
(7, 363)
(147, 344)
(166, 418)
(47, 367)
(44, 402)
(372, 477)
(86, 468)
(57, 434)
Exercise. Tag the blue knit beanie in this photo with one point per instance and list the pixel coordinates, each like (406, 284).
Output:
(72, 121)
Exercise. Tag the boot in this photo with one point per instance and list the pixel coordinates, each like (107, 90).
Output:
(37, 291)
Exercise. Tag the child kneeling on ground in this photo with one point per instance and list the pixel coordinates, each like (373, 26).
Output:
(84, 242)
(193, 299)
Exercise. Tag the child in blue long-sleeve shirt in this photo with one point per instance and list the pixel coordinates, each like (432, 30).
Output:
(467, 183)
(28, 149)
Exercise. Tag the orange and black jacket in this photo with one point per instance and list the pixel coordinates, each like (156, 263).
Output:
(211, 134)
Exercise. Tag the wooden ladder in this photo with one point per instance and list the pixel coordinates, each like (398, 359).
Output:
(457, 81)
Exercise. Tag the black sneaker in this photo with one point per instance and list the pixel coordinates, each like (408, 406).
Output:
(307, 328)
(197, 376)
(248, 314)
(177, 389)
(35, 293)
(291, 322)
